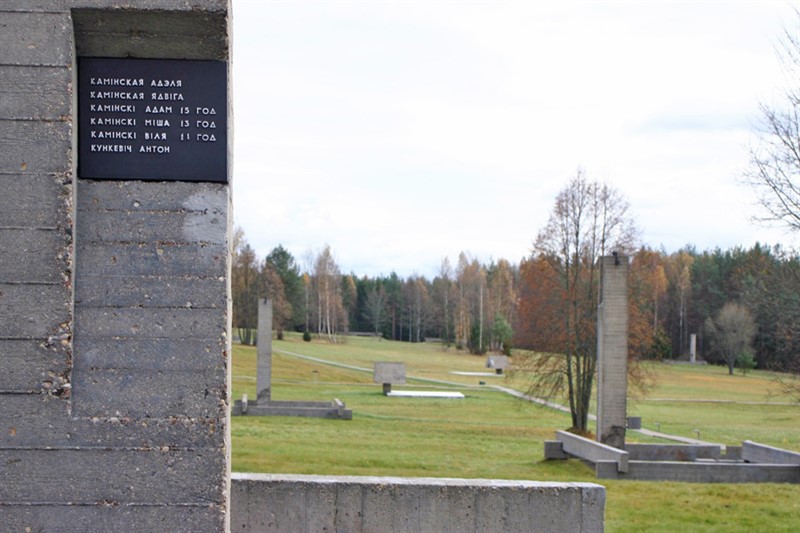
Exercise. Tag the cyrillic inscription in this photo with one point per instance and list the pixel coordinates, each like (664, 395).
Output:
(152, 119)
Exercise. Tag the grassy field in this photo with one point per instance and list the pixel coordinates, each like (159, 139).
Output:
(490, 434)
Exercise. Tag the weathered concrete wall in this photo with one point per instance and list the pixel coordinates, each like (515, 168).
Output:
(673, 452)
(264, 503)
(612, 352)
(113, 295)
(700, 472)
(588, 450)
(753, 452)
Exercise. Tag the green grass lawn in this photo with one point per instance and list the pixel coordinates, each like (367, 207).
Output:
(490, 434)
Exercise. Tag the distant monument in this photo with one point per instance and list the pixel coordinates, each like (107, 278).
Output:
(264, 351)
(264, 405)
(388, 374)
(612, 351)
(498, 362)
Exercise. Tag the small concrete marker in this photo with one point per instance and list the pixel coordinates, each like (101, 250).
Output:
(388, 374)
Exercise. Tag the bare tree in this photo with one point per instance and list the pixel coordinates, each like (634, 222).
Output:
(272, 287)
(774, 170)
(589, 220)
(442, 296)
(732, 332)
(376, 306)
(245, 286)
(330, 314)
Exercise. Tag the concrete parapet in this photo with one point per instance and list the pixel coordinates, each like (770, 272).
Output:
(672, 452)
(264, 503)
(753, 452)
(701, 472)
(592, 451)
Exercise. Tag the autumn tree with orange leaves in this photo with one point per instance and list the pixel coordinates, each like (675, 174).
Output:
(589, 220)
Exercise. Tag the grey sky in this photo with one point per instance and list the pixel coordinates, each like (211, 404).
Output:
(403, 132)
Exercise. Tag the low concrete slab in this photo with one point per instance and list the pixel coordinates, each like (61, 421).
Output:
(753, 452)
(700, 472)
(591, 450)
(482, 374)
(425, 394)
(272, 503)
(334, 409)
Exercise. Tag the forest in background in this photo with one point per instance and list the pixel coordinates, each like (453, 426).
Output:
(496, 305)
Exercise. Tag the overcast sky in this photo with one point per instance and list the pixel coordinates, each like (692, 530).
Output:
(403, 132)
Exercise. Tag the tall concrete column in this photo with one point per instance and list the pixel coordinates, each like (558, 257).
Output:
(114, 290)
(264, 351)
(612, 351)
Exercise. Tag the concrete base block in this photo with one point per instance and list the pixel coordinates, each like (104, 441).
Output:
(266, 503)
(553, 449)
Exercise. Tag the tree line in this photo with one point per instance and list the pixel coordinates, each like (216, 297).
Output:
(470, 306)
(492, 306)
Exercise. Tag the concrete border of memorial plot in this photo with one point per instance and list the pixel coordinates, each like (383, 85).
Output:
(614, 459)
(752, 463)
(264, 405)
(389, 504)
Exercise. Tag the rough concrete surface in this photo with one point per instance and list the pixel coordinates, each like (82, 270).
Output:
(591, 450)
(262, 502)
(389, 372)
(113, 333)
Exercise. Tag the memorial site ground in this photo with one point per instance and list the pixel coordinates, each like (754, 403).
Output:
(493, 435)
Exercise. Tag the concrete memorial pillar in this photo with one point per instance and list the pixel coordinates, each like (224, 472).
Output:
(264, 351)
(612, 351)
(114, 265)
(693, 348)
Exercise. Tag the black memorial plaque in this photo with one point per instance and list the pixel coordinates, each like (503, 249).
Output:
(152, 119)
